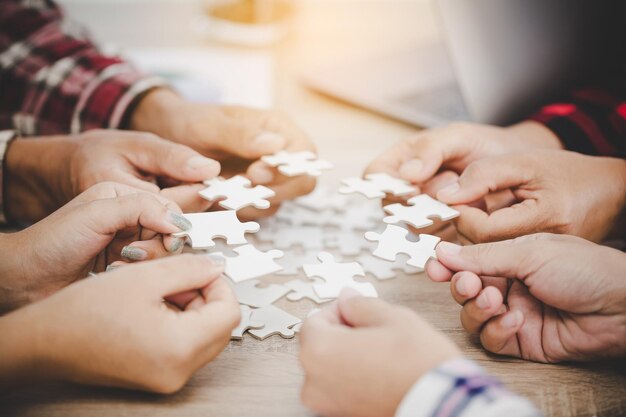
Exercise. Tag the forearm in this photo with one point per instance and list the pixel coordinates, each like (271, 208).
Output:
(154, 111)
(461, 388)
(20, 360)
(36, 174)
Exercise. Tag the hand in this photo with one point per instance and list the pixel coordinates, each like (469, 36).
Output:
(433, 159)
(96, 228)
(554, 191)
(545, 298)
(43, 174)
(115, 330)
(361, 356)
(236, 136)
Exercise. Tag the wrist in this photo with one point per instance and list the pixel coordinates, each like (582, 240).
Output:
(37, 180)
(530, 134)
(22, 359)
(156, 112)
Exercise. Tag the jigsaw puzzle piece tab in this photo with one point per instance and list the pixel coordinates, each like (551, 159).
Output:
(223, 224)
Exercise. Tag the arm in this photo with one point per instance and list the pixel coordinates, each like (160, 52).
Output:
(54, 80)
(589, 120)
(461, 388)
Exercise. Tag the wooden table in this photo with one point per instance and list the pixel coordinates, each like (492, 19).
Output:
(263, 378)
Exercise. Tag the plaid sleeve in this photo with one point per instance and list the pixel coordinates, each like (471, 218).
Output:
(589, 120)
(54, 80)
(460, 388)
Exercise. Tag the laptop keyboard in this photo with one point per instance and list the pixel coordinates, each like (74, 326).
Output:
(445, 102)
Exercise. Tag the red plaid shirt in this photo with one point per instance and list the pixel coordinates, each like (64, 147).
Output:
(54, 80)
(589, 120)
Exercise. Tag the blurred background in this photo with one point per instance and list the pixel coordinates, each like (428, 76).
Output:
(233, 51)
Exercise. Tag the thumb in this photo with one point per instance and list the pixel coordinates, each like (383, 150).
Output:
(173, 275)
(507, 259)
(160, 157)
(486, 176)
(358, 311)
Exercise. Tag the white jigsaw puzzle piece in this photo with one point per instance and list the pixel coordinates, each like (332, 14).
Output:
(322, 199)
(292, 264)
(292, 164)
(275, 321)
(224, 224)
(419, 212)
(246, 323)
(336, 276)
(250, 263)
(347, 242)
(237, 193)
(251, 294)
(393, 241)
(300, 216)
(383, 269)
(304, 289)
(376, 186)
(307, 237)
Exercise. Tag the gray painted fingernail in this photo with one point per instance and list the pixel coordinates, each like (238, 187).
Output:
(176, 244)
(179, 220)
(133, 253)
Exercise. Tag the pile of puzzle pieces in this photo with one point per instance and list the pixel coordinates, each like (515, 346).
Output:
(294, 245)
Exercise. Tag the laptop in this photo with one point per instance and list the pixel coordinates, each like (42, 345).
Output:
(498, 60)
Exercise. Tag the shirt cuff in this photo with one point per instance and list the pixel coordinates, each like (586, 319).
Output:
(109, 96)
(460, 388)
(6, 136)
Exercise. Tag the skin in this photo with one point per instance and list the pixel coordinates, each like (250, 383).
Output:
(85, 235)
(114, 329)
(235, 136)
(553, 191)
(44, 174)
(433, 159)
(343, 379)
(543, 297)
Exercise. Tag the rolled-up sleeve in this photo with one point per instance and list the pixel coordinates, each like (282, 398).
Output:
(54, 80)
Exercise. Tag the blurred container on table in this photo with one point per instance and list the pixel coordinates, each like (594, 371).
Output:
(248, 22)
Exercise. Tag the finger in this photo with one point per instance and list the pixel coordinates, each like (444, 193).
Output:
(187, 197)
(359, 311)
(134, 182)
(111, 215)
(437, 272)
(499, 335)
(175, 274)
(486, 176)
(439, 181)
(220, 312)
(184, 299)
(157, 156)
(518, 220)
(506, 259)
(151, 249)
(477, 312)
(465, 286)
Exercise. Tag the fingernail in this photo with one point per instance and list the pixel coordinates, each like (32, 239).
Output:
(482, 301)
(260, 175)
(133, 253)
(197, 162)
(448, 248)
(178, 220)
(449, 190)
(412, 166)
(348, 293)
(512, 319)
(111, 268)
(268, 142)
(176, 244)
(217, 260)
(460, 286)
